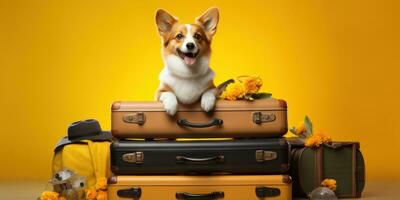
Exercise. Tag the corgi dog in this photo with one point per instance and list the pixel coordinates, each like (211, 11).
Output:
(186, 77)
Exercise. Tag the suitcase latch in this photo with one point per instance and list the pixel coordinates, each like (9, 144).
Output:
(135, 118)
(262, 155)
(259, 117)
(136, 157)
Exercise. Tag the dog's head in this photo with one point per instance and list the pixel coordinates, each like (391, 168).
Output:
(186, 46)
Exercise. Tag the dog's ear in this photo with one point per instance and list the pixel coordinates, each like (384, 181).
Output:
(164, 21)
(209, 21)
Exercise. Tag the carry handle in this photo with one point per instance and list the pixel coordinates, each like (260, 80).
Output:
(217, 159)
(135, 193)
(264, 192)
(213, 122)
(190, 196)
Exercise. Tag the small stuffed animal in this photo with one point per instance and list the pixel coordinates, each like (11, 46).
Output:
(69, 184)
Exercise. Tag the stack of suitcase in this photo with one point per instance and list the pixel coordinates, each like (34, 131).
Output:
(241, 155)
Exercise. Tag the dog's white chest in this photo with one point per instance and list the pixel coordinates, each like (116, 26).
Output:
(188, 91)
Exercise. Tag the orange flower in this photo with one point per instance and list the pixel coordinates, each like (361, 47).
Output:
(310, 142)
(233, 91)
(324, 138)
(91, 194)
(300, 129)
(101, 195)
(316, 139)
(251, 83)
(329, 183)
(48, 195)
(101, 183)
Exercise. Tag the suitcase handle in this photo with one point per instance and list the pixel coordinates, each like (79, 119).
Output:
(213, 122)
(264, 192)
(190, 196)
(135, 193)
(184, 159)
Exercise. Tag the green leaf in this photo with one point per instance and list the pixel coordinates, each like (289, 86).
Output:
(221, 87)
(308, 125)
(262, 95)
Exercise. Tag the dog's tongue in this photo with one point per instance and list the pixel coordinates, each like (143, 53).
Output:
(189, 60)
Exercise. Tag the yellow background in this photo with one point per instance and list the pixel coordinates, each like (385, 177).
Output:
(63, 61)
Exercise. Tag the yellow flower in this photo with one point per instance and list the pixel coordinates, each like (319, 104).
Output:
(91, 194)
(233, 91)
(329, 183)
(251, 83)
(62, 198)
(47, 195)
(101, 195)
(101, 183)
(300, 129)
(316, 139)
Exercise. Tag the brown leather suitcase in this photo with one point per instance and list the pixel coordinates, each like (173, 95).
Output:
(274, 187)
(230, 119)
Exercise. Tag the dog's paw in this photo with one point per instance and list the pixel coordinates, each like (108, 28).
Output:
(208, 101)
(170, 102)
(170, 107)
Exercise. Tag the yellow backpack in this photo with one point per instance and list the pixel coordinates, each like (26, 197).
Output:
(83, 155)
(86, 158)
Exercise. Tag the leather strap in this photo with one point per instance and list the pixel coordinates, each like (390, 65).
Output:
(319, 165)
(354, 169)
(296, 157)
(335, 145)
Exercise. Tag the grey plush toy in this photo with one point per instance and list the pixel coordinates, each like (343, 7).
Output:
(69, 184)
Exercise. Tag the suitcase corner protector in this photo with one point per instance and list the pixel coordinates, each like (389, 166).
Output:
(284, 129)
(114, 132)
(286, 179)
(283, 142)
(112, 180)
(115, 169)
(357, 144)
(282, 103)
(116, 105)
(285, 167)
(114, 143)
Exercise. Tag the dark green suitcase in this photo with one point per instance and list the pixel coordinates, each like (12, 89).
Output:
(341, 161)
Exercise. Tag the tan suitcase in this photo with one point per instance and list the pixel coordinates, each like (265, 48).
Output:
(272, 187)
(230, 119)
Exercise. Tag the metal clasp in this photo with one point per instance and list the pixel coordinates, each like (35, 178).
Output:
(262, 155)
(136, 157)
(259, 117)
(135, 118)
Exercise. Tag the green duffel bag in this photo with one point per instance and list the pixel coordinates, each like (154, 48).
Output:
(341, 161)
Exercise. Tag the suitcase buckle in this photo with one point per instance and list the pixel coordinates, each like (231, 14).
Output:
(262, 155)
(136, 157)
(259, 117)
(135, 118)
